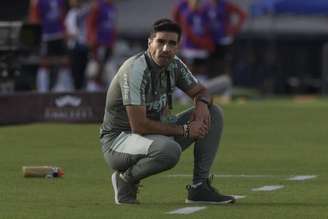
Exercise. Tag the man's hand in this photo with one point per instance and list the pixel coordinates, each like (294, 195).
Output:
(202, 114)
(197, 130)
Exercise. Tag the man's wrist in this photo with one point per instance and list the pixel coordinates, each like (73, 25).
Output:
(204, 100)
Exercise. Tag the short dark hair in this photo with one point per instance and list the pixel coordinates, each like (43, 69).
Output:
(165, 25)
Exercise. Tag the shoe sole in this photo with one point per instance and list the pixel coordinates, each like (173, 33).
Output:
(114, 175)
(209, 202)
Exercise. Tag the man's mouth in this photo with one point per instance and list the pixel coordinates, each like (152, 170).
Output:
(164, 56)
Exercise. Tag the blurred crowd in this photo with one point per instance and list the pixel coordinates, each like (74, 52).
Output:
(80, 43)
(209, 29)
(78, 37)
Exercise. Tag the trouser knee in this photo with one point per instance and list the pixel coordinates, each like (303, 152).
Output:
(216, 114)
(167, 154)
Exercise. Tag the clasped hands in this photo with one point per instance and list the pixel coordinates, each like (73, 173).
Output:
(200, 121)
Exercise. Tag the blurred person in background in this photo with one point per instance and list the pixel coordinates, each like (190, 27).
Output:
(196, 41)
(225, 20)
(75, 24)
(101, 35)
(50, 14)
(140, 137)
(197, 45)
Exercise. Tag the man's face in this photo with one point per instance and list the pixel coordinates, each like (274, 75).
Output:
(163, 46)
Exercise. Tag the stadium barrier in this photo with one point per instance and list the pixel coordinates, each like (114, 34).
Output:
(73, 107)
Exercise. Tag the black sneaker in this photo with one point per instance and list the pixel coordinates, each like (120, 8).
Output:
(125, 193)
(204, 193)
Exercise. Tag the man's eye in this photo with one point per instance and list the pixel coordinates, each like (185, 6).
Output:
(171, 43)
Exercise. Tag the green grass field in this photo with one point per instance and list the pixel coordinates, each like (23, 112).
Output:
(273, 139)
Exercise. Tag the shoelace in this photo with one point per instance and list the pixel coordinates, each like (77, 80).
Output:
(188, 187)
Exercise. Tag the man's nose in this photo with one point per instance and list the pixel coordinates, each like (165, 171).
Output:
(165, 47)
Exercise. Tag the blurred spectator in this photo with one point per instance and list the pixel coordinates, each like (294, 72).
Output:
(75, 24)
(225, 21)
(196, 41)
(123, 49)
(198, 44)
(101, 34)
(50, 15)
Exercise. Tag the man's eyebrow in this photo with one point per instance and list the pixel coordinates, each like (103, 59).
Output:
(165, 40)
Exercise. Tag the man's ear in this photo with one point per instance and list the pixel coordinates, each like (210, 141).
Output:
(149, 41)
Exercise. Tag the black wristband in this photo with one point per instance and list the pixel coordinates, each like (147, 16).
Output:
(204, 100)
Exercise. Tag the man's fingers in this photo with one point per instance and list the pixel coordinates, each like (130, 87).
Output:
(205, 125)
(204, 130)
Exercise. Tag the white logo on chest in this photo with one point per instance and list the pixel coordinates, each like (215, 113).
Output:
(157, 105)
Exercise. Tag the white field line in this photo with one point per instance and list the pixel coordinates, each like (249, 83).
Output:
(295, 178)
(268, 188)
(239, 196)
(230, 176)
(302, 178)
(187, 210)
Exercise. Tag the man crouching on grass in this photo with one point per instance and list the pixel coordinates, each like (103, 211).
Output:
(141, 138)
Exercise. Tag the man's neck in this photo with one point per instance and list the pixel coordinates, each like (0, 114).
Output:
(153, 64)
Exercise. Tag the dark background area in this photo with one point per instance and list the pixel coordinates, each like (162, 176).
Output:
(11, 10)
(280, 63)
